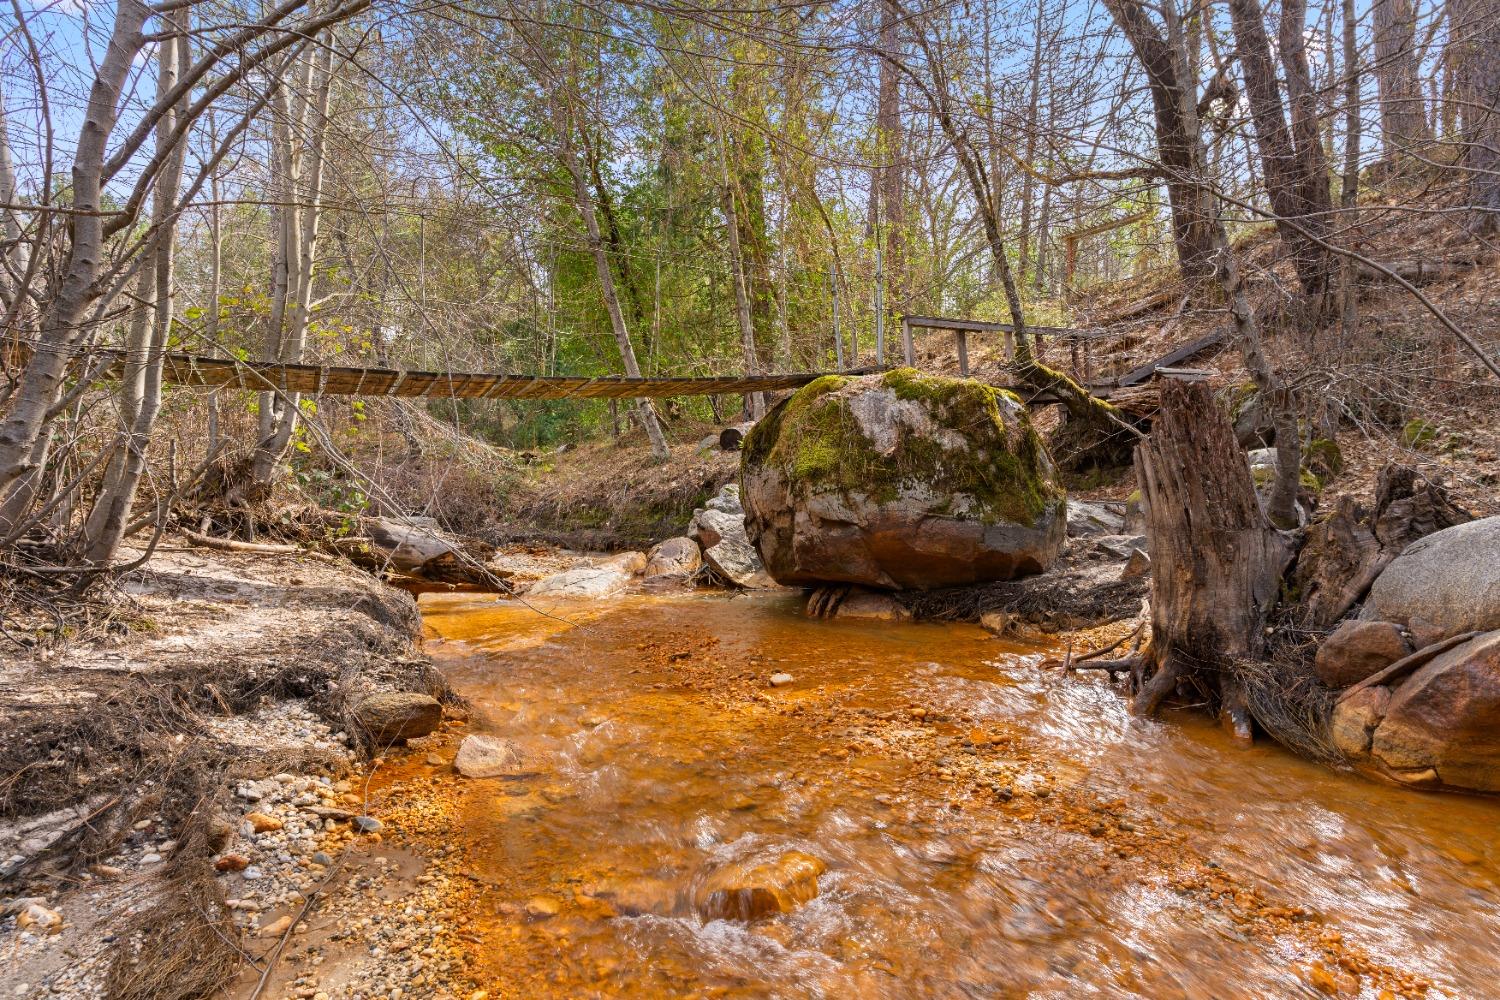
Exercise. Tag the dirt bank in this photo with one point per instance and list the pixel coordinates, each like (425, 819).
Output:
(188, 764)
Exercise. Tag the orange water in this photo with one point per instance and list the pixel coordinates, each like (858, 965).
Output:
(661, 752)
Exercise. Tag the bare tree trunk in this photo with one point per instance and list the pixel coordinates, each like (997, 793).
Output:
(299, 151)
(1349, 193)
(1477, 23)
(1192, 201)
(891, 174)
(583, 201)
(139, 398)
(1028, 180)
(24, 431)
(12, 250)
(1403, 120)
(1296, 175)
(1216, 565)
(755, 402)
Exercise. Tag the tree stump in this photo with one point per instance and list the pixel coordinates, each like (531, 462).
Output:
(1216, 562)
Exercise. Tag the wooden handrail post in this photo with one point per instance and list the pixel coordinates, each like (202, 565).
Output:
(962, 336)
(908, 349)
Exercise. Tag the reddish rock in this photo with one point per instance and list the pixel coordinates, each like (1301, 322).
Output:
(1442, 726)
(232, 863)
(1355, 719)
(261, 823)
(1357, 650)
(749, 890)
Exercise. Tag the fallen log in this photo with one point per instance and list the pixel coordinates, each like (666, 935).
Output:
(234, 545)
(1417, 270)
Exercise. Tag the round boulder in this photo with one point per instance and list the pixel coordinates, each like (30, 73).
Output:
(1357, 650)
(1442, 585)
(674, 557)
(900, 481)
(390, 717)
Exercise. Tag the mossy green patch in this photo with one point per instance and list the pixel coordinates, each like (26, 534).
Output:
(1418, 433)
(999, 463)
(1323, 456)
(1264, 476)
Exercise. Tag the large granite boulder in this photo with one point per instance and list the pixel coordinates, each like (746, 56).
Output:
(900, 480)
(1087, 520)
(1443, 584)
(1440, 727)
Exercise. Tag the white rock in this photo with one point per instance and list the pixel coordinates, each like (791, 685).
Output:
(481, 756)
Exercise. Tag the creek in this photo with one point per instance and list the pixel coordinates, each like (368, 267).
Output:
(990, 828)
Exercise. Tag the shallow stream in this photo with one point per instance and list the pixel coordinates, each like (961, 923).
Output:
(990, 829)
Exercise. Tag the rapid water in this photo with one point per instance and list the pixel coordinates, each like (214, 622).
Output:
(990, 828)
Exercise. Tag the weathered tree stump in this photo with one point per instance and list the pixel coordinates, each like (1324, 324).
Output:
(1347, 550)
(1216, 562)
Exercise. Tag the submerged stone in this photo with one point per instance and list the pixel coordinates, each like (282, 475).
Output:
(747, 890)
(901, 480)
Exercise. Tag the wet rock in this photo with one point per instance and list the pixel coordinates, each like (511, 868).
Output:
(481, 756)
(996, 622)
(584, 581)
(391, 717)
(728, 500)
(1442, 726)
(1086, 519)
(635, 897)
(674, 557)
(738, 562)
(870, 606)
(275, 928)
(1139, 564)
(1357, 650)
(1443, 584)
(1118, 546)
(631, 563)
(709, 526)
(901, 481)
(543, 907)
(1355, 719)
(750, 890)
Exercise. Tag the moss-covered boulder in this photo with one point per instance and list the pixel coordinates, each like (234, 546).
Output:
(900, 480)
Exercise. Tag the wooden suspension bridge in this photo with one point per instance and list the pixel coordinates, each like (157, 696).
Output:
(339, 380)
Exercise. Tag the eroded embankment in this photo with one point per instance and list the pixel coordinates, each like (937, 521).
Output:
(194, 774)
